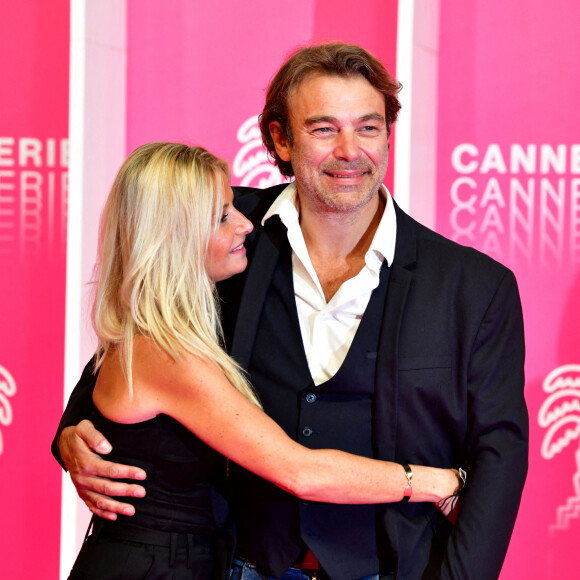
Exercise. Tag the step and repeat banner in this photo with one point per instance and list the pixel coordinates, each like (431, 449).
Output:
(508, 183)
(34, 63)
(508, 158)
(205, 82)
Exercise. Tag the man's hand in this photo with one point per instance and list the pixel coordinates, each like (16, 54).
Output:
(94, 477)
(451, 506)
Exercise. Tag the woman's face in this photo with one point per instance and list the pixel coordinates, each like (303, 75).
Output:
(226, 254)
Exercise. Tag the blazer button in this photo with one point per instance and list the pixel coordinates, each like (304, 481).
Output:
(310, 398)
(307, 431)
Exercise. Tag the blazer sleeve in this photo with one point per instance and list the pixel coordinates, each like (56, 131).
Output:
(79, 406)
(497, 441)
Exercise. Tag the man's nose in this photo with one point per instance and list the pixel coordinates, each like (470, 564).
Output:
(347, 146)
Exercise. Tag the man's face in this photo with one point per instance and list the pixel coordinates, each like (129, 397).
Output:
(340, 146)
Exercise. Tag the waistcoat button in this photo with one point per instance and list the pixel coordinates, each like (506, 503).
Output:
(307, 431)
(310, 398)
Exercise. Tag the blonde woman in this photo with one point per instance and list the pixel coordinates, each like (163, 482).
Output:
(168, 397)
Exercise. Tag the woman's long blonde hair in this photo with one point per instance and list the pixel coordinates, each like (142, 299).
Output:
(155, 229)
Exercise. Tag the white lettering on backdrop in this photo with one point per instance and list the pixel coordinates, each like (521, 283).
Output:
(7, 389)
(524, 201)
(33, 195)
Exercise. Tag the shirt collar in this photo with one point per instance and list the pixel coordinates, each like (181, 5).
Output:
(383, 245)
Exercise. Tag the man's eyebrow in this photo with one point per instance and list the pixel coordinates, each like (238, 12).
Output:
(320, 119)
(372, 117)
(314, 120)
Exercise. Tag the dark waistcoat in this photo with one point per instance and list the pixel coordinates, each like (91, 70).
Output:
(274, 528)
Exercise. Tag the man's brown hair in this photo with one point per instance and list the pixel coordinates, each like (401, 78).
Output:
(333, 59)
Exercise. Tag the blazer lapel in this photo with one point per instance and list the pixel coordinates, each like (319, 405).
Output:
(258, 278)
(386, 385)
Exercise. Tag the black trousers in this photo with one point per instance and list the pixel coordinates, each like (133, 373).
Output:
(119, 551)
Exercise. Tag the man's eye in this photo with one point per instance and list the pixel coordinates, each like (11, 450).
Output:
(322, 130)
(370, 128)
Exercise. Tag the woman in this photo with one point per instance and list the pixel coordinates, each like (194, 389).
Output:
(168, 397)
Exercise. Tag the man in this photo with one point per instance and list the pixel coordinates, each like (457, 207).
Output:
(362, 331)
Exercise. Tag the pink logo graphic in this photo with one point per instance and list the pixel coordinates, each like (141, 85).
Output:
(7, 389)
(251, 163)
(560, 414)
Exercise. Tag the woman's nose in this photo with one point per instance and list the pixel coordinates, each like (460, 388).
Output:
(244, 226)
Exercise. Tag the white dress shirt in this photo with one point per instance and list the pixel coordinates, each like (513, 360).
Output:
(328, 329)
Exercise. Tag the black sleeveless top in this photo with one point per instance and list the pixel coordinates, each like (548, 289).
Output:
(180, 472)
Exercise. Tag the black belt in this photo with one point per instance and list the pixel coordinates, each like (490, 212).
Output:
(132, 533)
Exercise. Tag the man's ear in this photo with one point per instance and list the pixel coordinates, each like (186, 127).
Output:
(278, 134)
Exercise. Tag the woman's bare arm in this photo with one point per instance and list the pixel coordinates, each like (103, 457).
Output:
(197, 394)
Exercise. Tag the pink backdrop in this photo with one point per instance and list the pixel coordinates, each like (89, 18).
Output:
(509, 184)
(206, 82)
(34, 39)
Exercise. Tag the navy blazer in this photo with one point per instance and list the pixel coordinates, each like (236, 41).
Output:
(449, 387)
